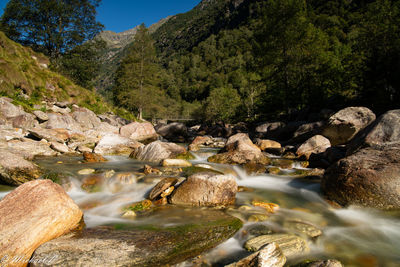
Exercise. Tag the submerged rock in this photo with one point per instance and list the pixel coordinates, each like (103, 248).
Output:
(93, 157)
(370, 177)
(176, 163)
(346, 123)
(15, 170)
(320, 263)
(31, 215)
(141, 245)
(269, 256)
(291, 245)
(206, 189)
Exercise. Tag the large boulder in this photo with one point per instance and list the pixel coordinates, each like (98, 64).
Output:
(25, 120)
(239, 149)
(270, 130)
(51, 135)
(8, 110)
(384, 130)
(142, 245)
(369, 177)
(31, 215)
(112, 144)
(15, 170)
(206, 189)
(315, 145)
(173, 132)
(28, 148)
(306, 131)
(157, 151)
(346, 123)
(86, 118)
(62, 121)
(138, 131)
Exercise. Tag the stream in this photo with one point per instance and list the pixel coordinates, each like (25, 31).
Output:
(355, 236)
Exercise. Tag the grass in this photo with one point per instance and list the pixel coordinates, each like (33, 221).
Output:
(22, 73)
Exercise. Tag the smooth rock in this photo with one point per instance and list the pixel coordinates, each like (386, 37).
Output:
(206, 189)
(33, 214)
(369, 177)
(111, 144)
(239, 149)
(62, 121)
(265, 144)
(383, 131)
(29, 149)
(173, 132)
(62, 148)
(270, 129)
(142, 246)
(25, 120)
(346, 123)
(86, 118)
(291, 245)
(138, 131)
(157, 151)
(41, 116)
(176, 163)
(303, 227)
(51, 135)
(316, 144)
(269, 256)
(8, 110)
(15, 170)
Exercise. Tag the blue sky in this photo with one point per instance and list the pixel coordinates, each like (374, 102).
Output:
(122, 15)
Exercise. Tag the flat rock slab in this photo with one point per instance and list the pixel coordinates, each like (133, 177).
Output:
(290, 245)
(139, 245)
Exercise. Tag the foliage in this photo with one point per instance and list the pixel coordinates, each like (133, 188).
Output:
(222, 104)
(82, 64)
(138, 78)
(51, 26)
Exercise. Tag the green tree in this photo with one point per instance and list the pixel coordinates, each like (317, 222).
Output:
(222, 104)
(137, 84)
(82, 63)
(52, 26)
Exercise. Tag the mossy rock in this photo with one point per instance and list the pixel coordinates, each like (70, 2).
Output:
(143, 245)
(188, 171)
(282, 163)
(186, 156)
(139, 206)
(56, 177)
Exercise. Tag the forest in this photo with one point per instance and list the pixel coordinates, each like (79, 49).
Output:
(250, 60)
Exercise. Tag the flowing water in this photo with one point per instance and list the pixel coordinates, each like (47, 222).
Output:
(355, 236)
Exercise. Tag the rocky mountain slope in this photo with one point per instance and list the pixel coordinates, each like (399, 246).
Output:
(174, 34)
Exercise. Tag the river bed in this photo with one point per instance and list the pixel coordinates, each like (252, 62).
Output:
(355, 236)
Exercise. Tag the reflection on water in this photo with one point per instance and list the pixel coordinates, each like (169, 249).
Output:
(356, 236)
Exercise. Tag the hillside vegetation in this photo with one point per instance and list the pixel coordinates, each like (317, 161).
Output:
(26, 78)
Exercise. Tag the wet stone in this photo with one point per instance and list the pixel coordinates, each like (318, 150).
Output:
(290, 245)
(163, 185)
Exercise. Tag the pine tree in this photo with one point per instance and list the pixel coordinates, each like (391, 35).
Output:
(137, 79)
